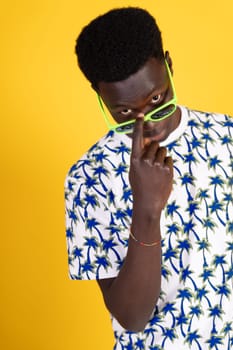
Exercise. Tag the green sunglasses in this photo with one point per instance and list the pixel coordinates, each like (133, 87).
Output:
(160, 113)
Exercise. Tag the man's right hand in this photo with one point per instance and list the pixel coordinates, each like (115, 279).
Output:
(151, 173)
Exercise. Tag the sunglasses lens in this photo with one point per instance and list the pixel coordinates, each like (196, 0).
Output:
(124, 128)
(164, 112)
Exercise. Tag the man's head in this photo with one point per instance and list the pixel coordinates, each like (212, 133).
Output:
(117, 44)
(121, 54)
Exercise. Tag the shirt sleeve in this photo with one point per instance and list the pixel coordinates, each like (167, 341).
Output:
(96, 232)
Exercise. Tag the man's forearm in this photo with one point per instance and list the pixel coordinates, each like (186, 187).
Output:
(132, 295)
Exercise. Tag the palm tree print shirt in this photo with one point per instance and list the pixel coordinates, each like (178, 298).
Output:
(195, 308)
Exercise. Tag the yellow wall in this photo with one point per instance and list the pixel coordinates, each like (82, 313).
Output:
(49, 117)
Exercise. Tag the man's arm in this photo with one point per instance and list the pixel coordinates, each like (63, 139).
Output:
(133, 294)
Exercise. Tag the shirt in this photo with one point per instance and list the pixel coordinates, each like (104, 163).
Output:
(195, 307)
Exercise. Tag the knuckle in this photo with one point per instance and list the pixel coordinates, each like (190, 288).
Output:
(134, 160)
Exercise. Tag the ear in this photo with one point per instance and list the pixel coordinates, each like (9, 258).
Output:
(169, 61)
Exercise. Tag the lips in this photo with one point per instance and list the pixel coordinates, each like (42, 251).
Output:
(154, 135)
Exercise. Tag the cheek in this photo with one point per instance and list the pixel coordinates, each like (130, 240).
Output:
(171, 123)
(117, 119)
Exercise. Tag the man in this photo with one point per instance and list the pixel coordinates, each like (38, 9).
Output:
(149, 206)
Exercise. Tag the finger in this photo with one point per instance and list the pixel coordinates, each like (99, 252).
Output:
(160, 155)
(137, 138)
(168, 162)
(150, 151)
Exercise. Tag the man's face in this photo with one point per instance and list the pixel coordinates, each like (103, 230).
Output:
(141, 93)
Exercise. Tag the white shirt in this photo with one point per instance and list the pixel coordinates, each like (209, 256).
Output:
(195, 308)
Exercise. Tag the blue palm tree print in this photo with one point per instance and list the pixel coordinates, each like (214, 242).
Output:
(194, 310)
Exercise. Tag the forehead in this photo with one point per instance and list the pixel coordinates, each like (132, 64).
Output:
(150, 79)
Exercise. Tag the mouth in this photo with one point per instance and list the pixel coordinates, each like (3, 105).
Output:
(150, 135)
(154, 135)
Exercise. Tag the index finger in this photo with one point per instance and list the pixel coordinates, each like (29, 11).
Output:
(137, 138)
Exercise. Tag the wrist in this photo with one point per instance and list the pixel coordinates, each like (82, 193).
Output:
(155, 243)
(146, 217)
(146, 228)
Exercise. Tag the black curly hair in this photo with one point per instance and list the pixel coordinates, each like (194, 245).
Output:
(117, 44)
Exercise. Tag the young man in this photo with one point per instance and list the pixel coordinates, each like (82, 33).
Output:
(149, 206)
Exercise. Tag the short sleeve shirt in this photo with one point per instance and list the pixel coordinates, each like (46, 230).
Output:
(195, 307)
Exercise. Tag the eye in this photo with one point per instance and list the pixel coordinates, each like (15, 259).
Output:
(126, 111)
(156, 99)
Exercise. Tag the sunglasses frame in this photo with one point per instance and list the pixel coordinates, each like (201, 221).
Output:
(148, 116)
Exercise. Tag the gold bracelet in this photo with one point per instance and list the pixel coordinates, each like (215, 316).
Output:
(154, 244)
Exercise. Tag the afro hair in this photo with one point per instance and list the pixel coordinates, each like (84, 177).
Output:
(117, 44)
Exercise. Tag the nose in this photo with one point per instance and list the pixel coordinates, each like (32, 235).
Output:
(143, 111)
(148, 124)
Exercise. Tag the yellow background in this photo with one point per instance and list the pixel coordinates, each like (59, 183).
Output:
(49, 117)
